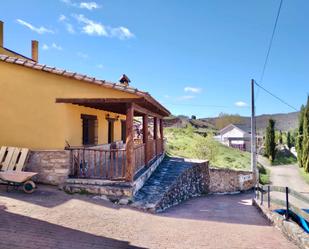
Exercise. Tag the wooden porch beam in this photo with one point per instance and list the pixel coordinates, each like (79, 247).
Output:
(145, 137)
(161, 134)
(155, 133)
(130, 160)
(143, 110)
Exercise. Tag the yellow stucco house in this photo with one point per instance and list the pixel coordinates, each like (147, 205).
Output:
(67, 116)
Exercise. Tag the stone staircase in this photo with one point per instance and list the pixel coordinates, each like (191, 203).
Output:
(173, 181)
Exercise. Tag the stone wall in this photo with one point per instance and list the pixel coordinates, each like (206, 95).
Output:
(293, 231)
(227, 180)
(52, 166)
(192, 182)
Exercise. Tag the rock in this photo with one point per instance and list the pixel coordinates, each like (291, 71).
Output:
(124, 201)
(101, 197)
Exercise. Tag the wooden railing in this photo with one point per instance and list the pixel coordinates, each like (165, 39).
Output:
(151, 153)
(159, 146)
(98, 163)
(139, 154)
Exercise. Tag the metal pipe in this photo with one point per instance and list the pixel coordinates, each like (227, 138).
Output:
(287, 203)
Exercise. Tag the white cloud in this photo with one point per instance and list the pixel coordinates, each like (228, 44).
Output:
(82, 5)
(55, 46)
(91, 27)
(241, 104)
(52, 46)
(192, 89)
(186, 97)
(100, 66)
(121, 32)
(62, 18)
(69, 27)
(82, 55)
(89, 5)
(41, 30)
(45, 47)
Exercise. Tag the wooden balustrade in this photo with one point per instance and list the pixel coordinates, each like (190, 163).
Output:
(151, 153)
(98, 163)
(159, 143)
(139, 156)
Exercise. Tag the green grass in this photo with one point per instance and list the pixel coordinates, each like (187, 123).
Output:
(264, 175)
(304, 175)
(184, 142)
(284, 158)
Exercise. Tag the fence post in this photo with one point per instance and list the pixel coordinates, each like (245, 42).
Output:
(262, 195)
(268, 196)
(258, 191)
(287, 203)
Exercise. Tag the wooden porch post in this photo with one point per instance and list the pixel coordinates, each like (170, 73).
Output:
(161, 135)
(145, 136)
(155, 134)
(130, 143)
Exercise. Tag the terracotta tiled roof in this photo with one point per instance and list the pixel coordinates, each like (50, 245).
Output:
(117, 86)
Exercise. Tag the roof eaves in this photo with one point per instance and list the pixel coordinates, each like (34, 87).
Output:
(32, 64)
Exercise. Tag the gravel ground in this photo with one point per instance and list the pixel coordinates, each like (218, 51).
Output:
(50, 218)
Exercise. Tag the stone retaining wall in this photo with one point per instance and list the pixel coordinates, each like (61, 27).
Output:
(52, 166)
(227, 180)
(289, 228)
(192, 182)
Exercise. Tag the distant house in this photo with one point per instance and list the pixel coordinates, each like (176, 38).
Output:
(237, 136)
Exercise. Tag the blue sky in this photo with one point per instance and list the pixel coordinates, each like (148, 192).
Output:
(196, 57)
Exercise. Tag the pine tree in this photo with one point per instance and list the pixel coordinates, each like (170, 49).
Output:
(270, 145)
(289, 140)
(305, 146)
(299, 137)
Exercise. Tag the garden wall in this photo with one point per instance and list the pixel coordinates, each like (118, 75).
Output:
(52, 166)
(227, 180)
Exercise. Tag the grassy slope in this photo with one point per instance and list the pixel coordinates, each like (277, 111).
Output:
(186, 143)
(282, 159)
(304, 175)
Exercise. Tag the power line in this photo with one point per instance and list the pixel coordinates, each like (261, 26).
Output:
(271, 41)
(275, 96)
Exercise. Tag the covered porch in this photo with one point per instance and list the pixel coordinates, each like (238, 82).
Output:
(120, 161)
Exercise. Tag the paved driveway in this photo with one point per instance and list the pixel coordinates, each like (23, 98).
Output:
(287, 176)
(50, 218)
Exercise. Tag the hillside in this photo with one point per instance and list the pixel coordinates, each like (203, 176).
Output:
(284, 121)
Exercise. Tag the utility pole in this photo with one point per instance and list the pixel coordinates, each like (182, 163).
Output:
(253, 139)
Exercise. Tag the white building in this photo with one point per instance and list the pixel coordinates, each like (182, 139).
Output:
(237, 136)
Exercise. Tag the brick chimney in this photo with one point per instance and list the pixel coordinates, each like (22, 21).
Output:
(35, 50)
(1, 34)
(124, 80)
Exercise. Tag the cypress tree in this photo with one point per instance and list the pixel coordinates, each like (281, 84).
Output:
(280, 137)
(289, 140)
(270, 145)
(305, 147)
(299, 137)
